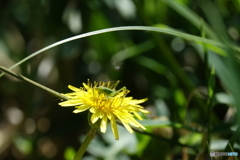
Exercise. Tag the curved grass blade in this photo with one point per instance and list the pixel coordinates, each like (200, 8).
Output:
(142, 28)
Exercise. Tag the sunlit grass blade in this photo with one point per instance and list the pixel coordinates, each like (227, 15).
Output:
(142, 28)
(232, 141)
(191, 16)
(215, 19)
(209, 46)
(232, 151)
(211, 83)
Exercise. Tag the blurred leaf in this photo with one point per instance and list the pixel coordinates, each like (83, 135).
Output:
(179, 97)
(232, 141)
(224, 98)
(24, 145)
(98, 43)
(161, 107)
(191, 138)
(143, 141)
(220, 144)
(132, 51)
(181, 102)
(161, 91)
(211, 83)
(69, 153)
(191, 17)
(210, 47)
(160, 123)
(151, 64)
(72, 18)
(165, 123)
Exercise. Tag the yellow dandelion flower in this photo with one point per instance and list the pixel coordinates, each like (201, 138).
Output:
(105, 103)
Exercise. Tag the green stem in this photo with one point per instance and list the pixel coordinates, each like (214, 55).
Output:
(33, 83)
(85, 144)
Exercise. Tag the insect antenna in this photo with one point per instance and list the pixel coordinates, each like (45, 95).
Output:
(112, 86)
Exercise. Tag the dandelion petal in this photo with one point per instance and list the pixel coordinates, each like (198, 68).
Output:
(81, 108)
(128, 127)
(114, 128)
(86, 86)
(70, 103)
(103, 126)
(95, 117)
(74, 88)
(137, 115)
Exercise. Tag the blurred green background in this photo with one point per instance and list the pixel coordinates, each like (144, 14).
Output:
(189, 106)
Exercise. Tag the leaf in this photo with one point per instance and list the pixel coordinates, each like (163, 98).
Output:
(133, 51)
(151, 64)
(224, 98)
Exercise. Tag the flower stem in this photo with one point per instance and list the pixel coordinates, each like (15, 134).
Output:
(85, 144)
(33, 83)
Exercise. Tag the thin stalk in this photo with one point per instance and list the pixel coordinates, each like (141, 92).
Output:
(235, 157)
(25, 79)
(85, 144)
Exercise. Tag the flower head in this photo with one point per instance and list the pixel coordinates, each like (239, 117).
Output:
(105, 103)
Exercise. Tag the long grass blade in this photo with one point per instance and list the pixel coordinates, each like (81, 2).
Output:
(142, 28)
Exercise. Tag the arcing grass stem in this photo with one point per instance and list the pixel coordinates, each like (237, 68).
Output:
(142, 28)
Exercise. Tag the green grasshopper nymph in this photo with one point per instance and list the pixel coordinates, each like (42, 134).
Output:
(109, 92)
